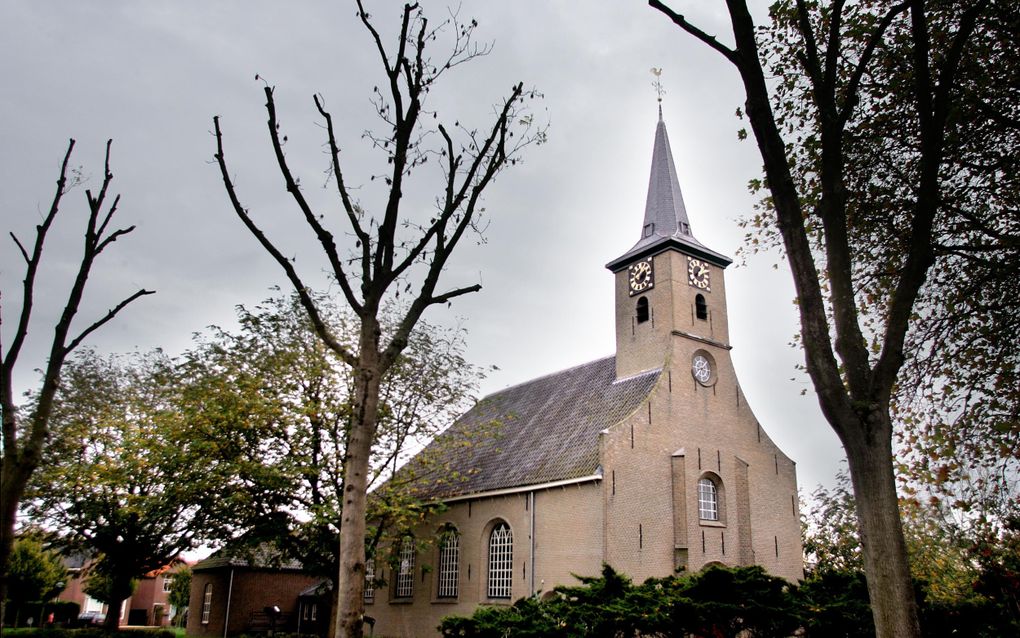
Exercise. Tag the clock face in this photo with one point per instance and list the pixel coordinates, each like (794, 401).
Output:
(701, 368)
(641, 278)
(698, 275)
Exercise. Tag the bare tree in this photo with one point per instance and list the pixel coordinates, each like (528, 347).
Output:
(395, 252)
(25, 435)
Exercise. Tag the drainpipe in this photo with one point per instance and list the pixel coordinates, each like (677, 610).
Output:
(531, 498)
(230, 592)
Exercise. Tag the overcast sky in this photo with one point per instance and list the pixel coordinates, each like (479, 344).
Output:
(151, 75)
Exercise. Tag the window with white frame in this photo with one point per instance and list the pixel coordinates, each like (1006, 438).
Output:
(405, 569)
(167, 583)
(370, 580)
(207, 604)
(708, 500)
(449, 563)
(501, 561)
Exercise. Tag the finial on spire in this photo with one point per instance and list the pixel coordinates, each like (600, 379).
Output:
(659, 89)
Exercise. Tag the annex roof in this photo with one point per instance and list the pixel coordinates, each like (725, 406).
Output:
(541, 431)
(264, 556)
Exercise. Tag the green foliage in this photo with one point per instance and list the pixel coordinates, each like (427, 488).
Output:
(729, 602)
(742, 601)
(34, 573)
(180, 589)
(107, 588)
(275, 390)
(834, 604)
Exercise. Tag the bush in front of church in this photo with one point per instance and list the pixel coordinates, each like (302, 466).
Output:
(723, 602)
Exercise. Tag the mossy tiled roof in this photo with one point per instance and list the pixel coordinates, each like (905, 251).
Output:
(541, 431)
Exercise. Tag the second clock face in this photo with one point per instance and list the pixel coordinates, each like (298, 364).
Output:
(641, 277)
(698, 275)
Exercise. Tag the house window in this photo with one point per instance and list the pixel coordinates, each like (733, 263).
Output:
(449, 564)
(207, 604)
(643, 313)
(315, 611)
(370, 580)
(708, 500)
(501, 566)
(167, 582)
(405, 571)
(700, 307)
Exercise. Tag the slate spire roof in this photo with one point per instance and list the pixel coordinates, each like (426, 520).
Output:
(666, 222)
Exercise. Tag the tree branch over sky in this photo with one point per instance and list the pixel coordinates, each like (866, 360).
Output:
(855, 108)
(395, 251)
(25, 434)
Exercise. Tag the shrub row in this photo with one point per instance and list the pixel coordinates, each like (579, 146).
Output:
(716, 603)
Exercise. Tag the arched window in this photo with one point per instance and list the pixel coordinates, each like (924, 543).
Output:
(643, 312)
(206, 603)
(405, 569)
(501, 561)
(708, 500)
(700, 307)
(449, 563)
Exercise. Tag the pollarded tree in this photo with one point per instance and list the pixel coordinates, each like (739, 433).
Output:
(395, 251)
(857, 135)
(25, 430)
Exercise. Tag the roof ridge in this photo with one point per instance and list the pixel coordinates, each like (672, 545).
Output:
(546, 376)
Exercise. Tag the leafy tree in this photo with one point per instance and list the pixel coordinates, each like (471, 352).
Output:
(180, 593)
(395, 251)
(304, 404)
(107, 586)
(35, 573)
(939, 546)
(862, 138)
(25, 430)
(130, 476)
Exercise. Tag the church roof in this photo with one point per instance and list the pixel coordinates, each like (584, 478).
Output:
(541, 431)
(666, 223)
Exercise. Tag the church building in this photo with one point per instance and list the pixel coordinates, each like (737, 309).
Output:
(650, 461)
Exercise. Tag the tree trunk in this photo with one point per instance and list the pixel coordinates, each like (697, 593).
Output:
(890, 588)
(11, 489)
(351, 579)
(112, 620)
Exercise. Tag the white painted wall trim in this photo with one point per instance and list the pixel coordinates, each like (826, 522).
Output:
(524, 488)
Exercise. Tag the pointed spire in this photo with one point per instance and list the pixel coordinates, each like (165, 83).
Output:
(666, 222)
(665, 213)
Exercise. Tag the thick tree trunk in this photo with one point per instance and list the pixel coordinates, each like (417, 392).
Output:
(12, 487)
(351, 579)
(112, 620)
(890, 588)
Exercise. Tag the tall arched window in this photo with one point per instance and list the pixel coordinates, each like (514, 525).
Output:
(708, 500)
(643, 312)
(449, 563)
(501, 561)
(206, 603)
(700, 307)
(405, 569)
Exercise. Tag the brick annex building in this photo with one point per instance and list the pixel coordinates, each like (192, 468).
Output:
(650, 461)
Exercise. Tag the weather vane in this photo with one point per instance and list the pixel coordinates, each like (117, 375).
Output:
(657, 85)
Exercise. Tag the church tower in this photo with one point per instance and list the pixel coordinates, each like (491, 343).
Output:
(668, 285)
